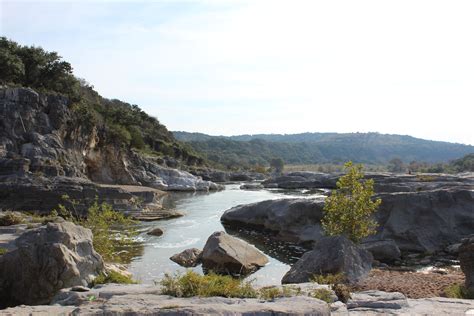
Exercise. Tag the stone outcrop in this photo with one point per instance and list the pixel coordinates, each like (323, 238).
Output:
(47, 259)
(423, 221)
(225, 254)
(383, 250)
(188, 258)
(384, 182)
(41, 137)
(331, 255)
(466, 258)
(146, 300)
(43, 194)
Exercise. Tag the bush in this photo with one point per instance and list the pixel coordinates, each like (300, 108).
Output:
(10, 218)
(323, 295)
(269, 293)
(111, 230)
(3, 251)
(458, 291)
(112, 277)
(192, 284)
(329, 279)
(348, 210)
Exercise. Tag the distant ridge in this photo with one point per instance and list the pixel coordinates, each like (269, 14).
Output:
(309, 148)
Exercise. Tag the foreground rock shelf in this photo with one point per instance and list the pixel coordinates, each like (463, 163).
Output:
(146, 300)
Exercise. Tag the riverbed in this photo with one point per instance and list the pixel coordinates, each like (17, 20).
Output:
(202, 217)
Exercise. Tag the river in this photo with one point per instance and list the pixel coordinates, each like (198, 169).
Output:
(202, 217)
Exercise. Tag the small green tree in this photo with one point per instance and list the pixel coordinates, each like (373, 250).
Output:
(277, 164)
(349, 208)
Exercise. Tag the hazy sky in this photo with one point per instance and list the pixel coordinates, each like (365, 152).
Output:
(235, 67)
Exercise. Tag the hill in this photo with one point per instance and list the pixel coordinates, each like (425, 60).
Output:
(118, 123)
(312, 148)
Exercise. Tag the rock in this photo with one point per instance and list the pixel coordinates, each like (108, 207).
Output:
(384, 182)
(292, 219)
(117, 268)
(453, 249)
(155, 232)
(188, 258)
(331, 255)
(225, 254)
(47, 259)
(251, 186)
(416, 221)
(377, 300)
(466, 258)
(383, 250)
(115, 299)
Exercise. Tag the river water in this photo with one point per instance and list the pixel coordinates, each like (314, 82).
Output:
(202, 217)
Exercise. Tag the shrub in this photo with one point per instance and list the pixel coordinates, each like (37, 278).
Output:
(192, 284)
(329, 279)
(458, 291)
(323, 295)
(348, 210)
(269, 293)
(10, 218)
(342, 292)
(111, 230)
(112, 277)
(3, 251)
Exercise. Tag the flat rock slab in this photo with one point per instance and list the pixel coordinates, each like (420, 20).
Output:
(117, 299)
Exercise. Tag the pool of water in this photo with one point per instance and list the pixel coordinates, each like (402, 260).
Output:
(202, 217)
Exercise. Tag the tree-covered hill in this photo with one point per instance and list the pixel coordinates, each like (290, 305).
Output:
(121, 124)
(312, 148)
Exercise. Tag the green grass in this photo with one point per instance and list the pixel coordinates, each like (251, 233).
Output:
(192, 284)
(329, 279)
(3, 251)
(323, 295)
(269, 293)
(113, 277)
(458, 291)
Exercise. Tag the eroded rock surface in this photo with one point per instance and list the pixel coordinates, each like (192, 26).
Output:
(466, 258)
(331, 255)
(424, 221)
(47, 259)
(188, 258)
(225, 254)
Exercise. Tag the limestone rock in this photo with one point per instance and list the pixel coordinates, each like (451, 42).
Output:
(466, 258)
(188, 258)
(155, 232)
(331, 255)
(47, 259)
(225, 254)
(424, 221)
(383, 250)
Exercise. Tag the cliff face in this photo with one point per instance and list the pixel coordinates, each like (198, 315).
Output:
(43, 140)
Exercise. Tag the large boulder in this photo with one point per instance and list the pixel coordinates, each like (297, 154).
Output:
(293, 219)
(425, 221)
(331, 255)
(383, 250)
(47, 259)
(188, 258)
(225, 254)
(466, 258)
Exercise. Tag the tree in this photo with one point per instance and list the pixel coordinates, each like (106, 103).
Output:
(348, 210)
(395, 165)
(277, 164)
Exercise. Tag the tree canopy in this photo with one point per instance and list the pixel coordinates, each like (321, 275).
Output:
(348, 210)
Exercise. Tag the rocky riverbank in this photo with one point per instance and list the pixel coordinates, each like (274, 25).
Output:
(48, 151)
(428, 215)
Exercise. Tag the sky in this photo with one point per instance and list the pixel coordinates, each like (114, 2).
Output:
(246, 67)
